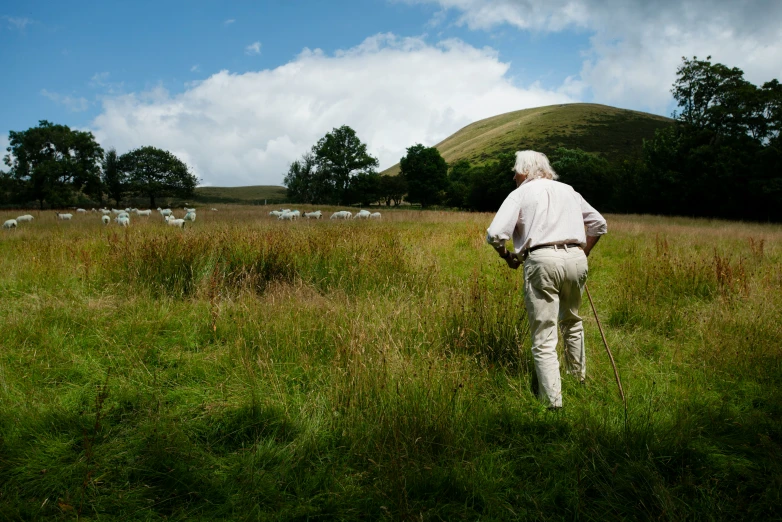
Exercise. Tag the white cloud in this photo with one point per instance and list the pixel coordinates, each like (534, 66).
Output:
(74, 104)
(19, 23)
(245, 129)
(229, 21)
(196, 68)
(253, 48)
(637, 45)
(3, 153)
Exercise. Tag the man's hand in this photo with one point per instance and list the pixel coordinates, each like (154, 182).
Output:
(513, 261)
(591, 242)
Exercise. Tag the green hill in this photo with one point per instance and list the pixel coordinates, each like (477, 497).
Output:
(611, 132)
(246, 195)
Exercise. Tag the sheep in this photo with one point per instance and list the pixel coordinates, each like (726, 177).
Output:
(123, 215)
(22, 219)
(362, 214)
(317, 214)
(115, 211)
(105, 211)
(189, 210)
(106, 219)
(11, 223)
(290, 215)
(175, 222)
(276, 213)
(64, 217)
(165, 212)
(190, 216)
(374, 215)
(214, 210)
(81, 211)
(143, 212)
(343, 214)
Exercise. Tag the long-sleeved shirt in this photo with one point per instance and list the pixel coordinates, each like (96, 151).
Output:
(544, 212)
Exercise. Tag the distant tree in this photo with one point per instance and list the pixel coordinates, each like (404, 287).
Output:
(589, 174)
(341, 155)
(155, 173)
(459, 176)
(304, 182)
(490, 184)
(392, 189)
(364, 189)
(115, 181)
(426, 173)
(53, 163)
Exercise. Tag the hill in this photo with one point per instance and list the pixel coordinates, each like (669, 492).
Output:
(609, 131)
(246, 195)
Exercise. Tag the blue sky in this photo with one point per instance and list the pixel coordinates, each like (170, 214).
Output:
(240, 89)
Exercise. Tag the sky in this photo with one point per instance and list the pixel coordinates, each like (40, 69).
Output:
(240, 89)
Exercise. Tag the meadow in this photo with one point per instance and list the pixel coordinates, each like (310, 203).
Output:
(249, 369)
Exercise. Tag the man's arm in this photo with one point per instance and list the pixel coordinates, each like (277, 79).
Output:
(591, 242)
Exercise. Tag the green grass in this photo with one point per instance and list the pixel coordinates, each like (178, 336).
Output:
(255, 194)
(611, 132)
(248, 369)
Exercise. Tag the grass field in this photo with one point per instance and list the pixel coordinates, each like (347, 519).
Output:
(247, 369)
(613, 133)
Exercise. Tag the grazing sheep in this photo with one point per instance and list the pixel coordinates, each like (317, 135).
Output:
(276, 213)
(317, 214)
(175, 222)
(11, 223)
(374, 215)
(189, 210)
(115, 211)
(190, 216)
(165, 212)
(80, 211)
(106, 219)
(26, 217)
(290, 215)
(64, 217)
(362, 214)
(123, 220)
(342, 214)
(214, 210)
(123, 214)
(143, 212)
(105, 211)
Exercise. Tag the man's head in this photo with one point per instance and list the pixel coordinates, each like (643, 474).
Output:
(532, 165)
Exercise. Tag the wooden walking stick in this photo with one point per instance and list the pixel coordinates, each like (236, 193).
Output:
(605, 343)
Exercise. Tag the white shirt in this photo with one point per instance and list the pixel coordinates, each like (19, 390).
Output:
(544, 212)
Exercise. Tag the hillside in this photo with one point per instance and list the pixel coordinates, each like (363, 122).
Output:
(246, 195)
(611, 132)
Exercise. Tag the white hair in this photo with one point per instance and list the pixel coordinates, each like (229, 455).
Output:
(534, 164)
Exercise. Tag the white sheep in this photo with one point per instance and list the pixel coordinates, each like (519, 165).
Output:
(175, 222)
(342, 214)
(106, 219)
(81, 211)
(165, 212)
(214, 210)
(190, 216)
(11, 223)
(115, 211)
(64, 217)
(26, 217)
(290, 215)
(105, 211)
(189, 210)
(143, 212)
(123, 215)
(362, 214)
(374, 215)
(123, 219)
(317, 214)
(276, 213)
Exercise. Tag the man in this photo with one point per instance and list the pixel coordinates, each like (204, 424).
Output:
(546, 220)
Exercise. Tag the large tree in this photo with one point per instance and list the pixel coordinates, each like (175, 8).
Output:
(53, 163)
(155, 173)
(426, 173)
(115, 181)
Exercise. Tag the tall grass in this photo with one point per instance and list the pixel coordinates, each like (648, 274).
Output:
(248, 369)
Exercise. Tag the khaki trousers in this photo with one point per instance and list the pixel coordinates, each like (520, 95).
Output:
(554, 281)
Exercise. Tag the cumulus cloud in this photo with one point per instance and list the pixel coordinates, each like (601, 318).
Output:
(253, 48)
(74, 104)
(636, 45)
(245, 129)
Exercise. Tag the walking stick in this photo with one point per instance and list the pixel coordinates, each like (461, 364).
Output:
(605, 343)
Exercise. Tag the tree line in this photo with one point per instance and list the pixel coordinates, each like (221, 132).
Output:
(721, 157)
(56, 166)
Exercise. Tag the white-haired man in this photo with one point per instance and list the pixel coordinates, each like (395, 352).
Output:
(547, 220)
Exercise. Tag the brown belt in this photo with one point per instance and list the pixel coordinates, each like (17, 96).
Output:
(526, 252)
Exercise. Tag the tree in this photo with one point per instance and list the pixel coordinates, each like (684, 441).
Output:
(490, 184)
(154, 173)
(115, 181)
(589, 174)
(364, 189)
(340, 156)
(53, 163)
(303, 181)
(392, 189)
(459, 176)
(426, 173)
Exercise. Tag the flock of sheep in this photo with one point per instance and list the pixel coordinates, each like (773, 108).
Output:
(290, 215)
(122, 217)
